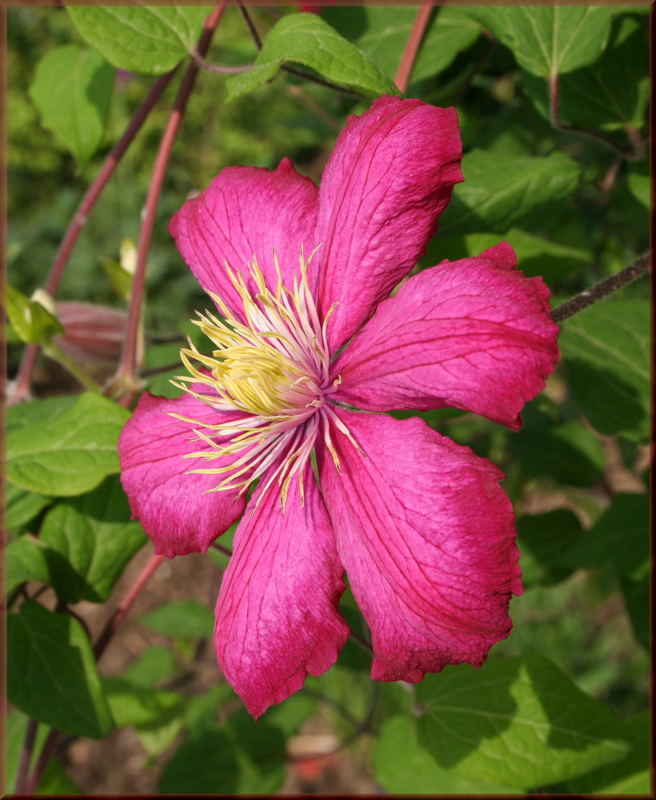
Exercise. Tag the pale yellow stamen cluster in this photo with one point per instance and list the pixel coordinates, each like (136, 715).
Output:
(273, 367)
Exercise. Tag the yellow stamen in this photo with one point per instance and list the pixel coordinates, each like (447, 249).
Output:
(272, 365)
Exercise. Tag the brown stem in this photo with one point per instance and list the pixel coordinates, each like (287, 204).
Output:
(126, 374)
(126, 604)
(80, 217)
(257, 40)
(635, 154)
(225, 550)
(601, 290)
(26, 757)
(220, 69)
(361, 641)
(42, 762)
(409, 56)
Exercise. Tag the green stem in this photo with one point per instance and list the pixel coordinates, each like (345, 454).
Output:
(57, 354)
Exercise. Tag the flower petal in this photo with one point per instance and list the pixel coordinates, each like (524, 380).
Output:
(247, 212)
(276, 615)
(427, 537)
(177, 509)
(389, 178)
(473, 334)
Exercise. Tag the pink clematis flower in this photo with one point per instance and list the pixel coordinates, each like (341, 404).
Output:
(420, 525)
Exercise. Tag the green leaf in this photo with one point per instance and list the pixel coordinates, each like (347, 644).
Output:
(570, 453)
(68, 452)
(72, 90)
(542, 540)
(52, 674)
(519, 722)
(609, 95)
(146, 39)
(402, 766)
(202, 710)
(206, 764)
(141, 706)
(89, 542)
(23, 506)
(606, 353)
(306, 39)
(186, 618)
(292, 713)
(549, 40)
(381, 32)
(629, 776)
(154, 665)
(56, 781)
(26, 561)
(535, 255)
(242, 757)
(639, 182)
(638, 602)
(33, 323)
(499, 190)
(618, 540)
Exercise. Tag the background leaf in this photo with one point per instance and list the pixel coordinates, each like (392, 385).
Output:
(606, 352)
(381, 33)
(186, 618)
(306, 39)
(544, 541)
(63, 449)
(569, 453)
(626, 522)
(148, 39)
(520, 722)
(242, 757)
(72, 90)
(52, 674)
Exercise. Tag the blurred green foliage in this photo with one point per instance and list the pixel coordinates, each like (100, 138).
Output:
(574, 208)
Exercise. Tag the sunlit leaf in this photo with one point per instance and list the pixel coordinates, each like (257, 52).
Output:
(72, 90)
(519, 722)
(629, 776)
(147, 39)
(402, 766)
(63, 448)
(549, 40)
(306, 39)
(89, 542)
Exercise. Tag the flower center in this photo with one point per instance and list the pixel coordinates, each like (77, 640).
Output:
(272, 365)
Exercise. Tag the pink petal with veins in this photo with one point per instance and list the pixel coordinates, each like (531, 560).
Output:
(473, 334)
(427, 537)
(388, 180)
(276, 615)
(176, 509)
(247, 212)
